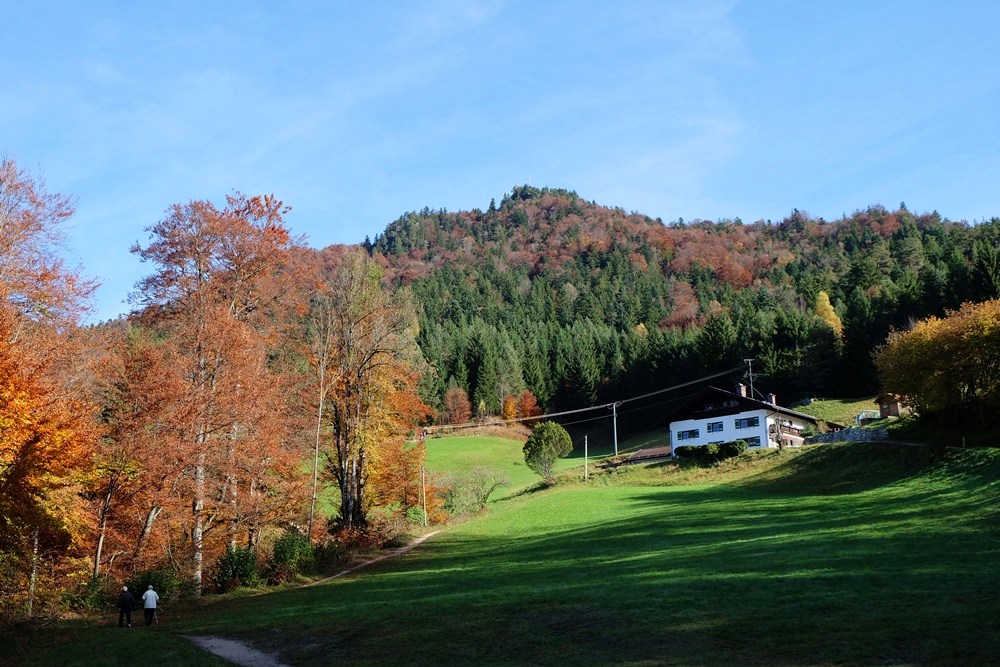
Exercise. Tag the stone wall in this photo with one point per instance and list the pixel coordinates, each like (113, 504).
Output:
(850, 435)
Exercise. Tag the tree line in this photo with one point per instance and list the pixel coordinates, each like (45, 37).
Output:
(579, 303)
(253, 375)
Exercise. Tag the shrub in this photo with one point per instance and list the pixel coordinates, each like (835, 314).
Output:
(728, 450)
(712, 452)
(686, 451)
(165, 581)
(469, 493)
(327, 556)
(237, 567)
(101, 592)
(292, 553)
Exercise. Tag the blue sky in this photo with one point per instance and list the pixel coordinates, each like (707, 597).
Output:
(354, 113)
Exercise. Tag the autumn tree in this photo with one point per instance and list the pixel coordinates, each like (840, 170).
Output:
(134, 466)
(508, 409)
(824, 310)
(46, 429)
(947, 367)
(45, 441)
(457, 409)
(371, 334)
(394, 463)
(36, 287)
(213, 299)
(527, 406)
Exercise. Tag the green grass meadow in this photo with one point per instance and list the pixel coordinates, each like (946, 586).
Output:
(460, 454)
(839, 410)
(831, 555)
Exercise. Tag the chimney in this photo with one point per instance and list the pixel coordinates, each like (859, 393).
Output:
(772, 399)
(741, 389)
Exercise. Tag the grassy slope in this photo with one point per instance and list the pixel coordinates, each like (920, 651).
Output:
(462, 453)
(851, 554)
(838, 410)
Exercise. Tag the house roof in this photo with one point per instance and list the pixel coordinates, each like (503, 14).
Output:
(715, 402)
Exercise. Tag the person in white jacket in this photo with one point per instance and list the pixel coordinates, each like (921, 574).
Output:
(149, 600)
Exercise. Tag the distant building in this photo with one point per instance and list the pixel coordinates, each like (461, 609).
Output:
(888, 406)
(716, 416)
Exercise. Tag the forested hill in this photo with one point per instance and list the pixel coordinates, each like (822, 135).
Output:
(579, 303)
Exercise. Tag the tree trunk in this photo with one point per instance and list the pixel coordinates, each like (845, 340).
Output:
(147, 528)
(319, 430)
(33, 580)
(198, 510)
(102, 525)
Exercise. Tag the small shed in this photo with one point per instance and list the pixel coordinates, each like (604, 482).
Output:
(888, 405)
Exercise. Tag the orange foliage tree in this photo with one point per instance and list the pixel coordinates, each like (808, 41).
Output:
(137, 471)
(45, 419)
(214, 301)
(456, 406)
(508, 408)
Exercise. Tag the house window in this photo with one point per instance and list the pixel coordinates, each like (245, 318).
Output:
(687, 435)
(748, 422)
(754, 441)
(714, 427)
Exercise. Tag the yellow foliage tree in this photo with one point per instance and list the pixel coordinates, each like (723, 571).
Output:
(947, 365)
(824, 310)
(508, 410)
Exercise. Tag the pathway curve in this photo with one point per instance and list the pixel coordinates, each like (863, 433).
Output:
(243, 654)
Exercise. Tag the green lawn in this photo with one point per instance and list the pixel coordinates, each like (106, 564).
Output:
(847, 554)
(460, 454)
(839, 410)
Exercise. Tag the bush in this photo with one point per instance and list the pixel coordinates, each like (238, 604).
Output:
(469, 493)
(712, 452)
(728, 450)
(292, 553)
(101, 592)
(165, 582)
(327, 556)
(237, 567)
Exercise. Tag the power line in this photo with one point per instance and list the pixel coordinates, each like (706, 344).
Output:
(603, 406)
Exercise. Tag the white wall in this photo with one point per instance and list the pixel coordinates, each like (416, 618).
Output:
(728, 433)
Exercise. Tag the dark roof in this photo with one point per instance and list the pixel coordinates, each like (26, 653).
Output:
(715, 402)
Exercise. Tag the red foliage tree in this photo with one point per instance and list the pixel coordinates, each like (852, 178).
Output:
(456, 406)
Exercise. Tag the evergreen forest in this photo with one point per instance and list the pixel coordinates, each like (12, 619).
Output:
(582, 304)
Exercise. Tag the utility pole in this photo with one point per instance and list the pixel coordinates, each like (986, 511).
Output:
(585, 458)
(614, 424)
(750, 367)
(423, 493)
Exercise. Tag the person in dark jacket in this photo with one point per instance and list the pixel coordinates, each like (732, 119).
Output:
(125, 603)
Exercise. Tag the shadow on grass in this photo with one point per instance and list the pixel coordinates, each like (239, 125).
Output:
(902, 572)
(844, 469)
(664, 576)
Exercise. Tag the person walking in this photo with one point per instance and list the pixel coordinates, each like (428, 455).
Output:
(125, 603)
(149, 600)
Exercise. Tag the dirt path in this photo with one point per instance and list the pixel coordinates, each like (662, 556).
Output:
(242, 654)
(388, 554)
(234, 651)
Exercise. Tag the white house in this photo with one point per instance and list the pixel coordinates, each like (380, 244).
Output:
(717, 416)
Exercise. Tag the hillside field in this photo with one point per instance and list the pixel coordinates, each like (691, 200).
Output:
(847, 554)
